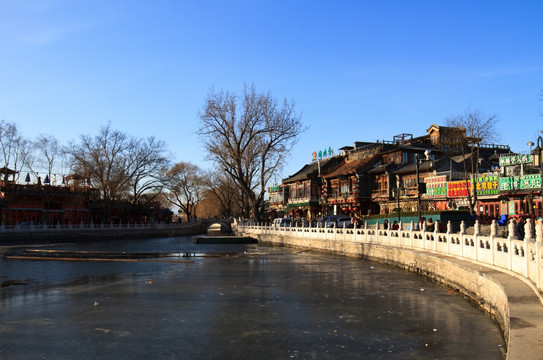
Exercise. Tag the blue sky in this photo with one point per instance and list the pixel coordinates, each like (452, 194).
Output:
(357, 70)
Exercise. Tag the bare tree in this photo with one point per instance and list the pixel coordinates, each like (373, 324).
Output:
(13, 147)
(249, 138)
(121, 167)
(473, 128)
(14, 151)
(103, 159)
(225, 191)
(147, 159)
(184, 187)
(46, 155)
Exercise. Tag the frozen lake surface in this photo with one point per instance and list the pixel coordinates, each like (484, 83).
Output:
(257, 302)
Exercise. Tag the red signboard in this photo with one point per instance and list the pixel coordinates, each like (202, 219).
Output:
(458, 189)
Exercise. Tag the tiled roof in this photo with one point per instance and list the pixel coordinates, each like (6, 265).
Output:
(310, 170)
(351, 167)
(303, 173)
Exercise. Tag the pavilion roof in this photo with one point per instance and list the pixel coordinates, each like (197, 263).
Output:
(6, 171)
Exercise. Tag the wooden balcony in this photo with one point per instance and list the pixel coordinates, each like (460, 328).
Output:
(379, 194)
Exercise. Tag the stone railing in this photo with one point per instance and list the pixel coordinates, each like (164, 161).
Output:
(521, 256)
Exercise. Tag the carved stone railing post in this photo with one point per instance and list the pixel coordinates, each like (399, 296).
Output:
(493, 228)
(449, 227)
(477, 228)
(539, 231)
(462, 228)
(512, 230)
(528, 230)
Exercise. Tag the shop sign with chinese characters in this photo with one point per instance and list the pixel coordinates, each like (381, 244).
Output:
(436, 187)
(520, 182)
(511, 207)
(487, 184)
(323, 154)
(515, 159)
(458, 188)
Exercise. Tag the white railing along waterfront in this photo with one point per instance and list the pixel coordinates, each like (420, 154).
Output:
(520, 256)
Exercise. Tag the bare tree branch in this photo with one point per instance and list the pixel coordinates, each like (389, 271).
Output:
(185, 189)
(249, 144)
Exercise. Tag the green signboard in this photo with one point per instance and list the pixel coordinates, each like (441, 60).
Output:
(436, 192)
(520, 182)
(515, 159)
(511, 207)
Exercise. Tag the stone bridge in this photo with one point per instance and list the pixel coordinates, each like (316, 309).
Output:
(226, 225)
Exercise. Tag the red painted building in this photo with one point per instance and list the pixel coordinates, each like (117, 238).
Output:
(43, 203)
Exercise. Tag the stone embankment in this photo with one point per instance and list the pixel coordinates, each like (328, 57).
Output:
(501, 275)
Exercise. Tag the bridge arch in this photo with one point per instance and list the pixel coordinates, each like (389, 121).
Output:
(225, 224)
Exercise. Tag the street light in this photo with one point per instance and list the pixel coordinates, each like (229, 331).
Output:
(537, 156)
(398, 190)
(419, 187)
(530, 144)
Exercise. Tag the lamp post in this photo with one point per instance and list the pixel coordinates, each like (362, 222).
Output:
(418, 162)
(538, 157)
(530, 144)
(398, 191)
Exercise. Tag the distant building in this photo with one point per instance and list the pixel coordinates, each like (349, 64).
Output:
(73, 201)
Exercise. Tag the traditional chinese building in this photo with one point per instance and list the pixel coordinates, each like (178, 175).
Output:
(520, 185)
(305, 188)
(277, 200)
(429, 172)
(44, 203)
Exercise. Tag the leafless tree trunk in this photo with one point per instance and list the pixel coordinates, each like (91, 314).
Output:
(184, 187)
(104, 160)
(13, 147)
(147, 158)
(473, 128)
(226, 192)
(46, 155)
(248, 137)
(14, 150)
